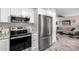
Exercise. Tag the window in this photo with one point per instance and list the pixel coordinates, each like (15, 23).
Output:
(66, 22)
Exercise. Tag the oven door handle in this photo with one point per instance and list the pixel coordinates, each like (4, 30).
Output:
(20, 37)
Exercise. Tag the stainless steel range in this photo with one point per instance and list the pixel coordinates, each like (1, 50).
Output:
(20, 38)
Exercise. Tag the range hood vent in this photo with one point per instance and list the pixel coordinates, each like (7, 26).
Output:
(61, 16)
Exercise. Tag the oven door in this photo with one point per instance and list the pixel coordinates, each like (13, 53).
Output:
(20, 43)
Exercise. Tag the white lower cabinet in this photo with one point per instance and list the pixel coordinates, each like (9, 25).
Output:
(35, 42)
(4, 45)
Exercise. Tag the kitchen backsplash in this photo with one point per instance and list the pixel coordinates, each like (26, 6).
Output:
(13, 24)
(8, 25)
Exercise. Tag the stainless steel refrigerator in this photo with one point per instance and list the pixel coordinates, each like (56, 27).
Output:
(45, 32)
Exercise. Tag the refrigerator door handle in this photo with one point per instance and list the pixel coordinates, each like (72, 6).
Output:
(45, 37)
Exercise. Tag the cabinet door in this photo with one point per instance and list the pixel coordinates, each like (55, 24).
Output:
(34, 41)
(4, 45)
(29, 12)
(16, 11)
(5, 13)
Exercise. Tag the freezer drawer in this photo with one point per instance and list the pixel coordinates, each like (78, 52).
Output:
(44, 43)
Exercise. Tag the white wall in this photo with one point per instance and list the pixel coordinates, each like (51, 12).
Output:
(72, 18)
(54, 24)
(74, 23)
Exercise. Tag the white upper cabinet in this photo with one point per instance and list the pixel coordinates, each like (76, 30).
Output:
(5, 13)
(16, 11)
(29, 12)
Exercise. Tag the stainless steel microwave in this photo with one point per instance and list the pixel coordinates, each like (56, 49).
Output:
(19, 19)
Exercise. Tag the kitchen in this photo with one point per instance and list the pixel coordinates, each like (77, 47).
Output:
(39, 29)
(19, 29)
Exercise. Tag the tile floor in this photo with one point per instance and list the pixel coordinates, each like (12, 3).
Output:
(65, 43)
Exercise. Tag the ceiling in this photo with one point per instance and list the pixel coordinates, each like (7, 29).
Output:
(67, 11)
